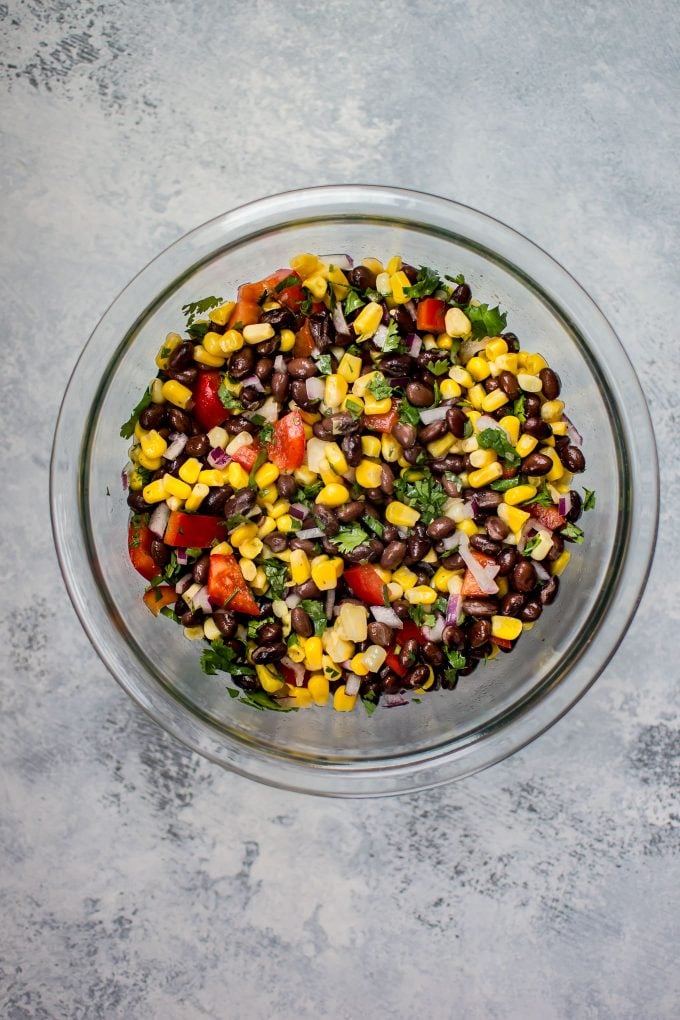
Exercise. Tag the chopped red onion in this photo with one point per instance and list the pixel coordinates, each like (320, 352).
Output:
(339, 320)
(474, 506)
(573, 433)
(253, 381)
(217, 458)
(299, 511)
(330, 602)
(431, 414)
(309, 533)
(315, 388)
(201, 600)
(435, 633)
(394, 700)
(411, 309)
(414, 344)
(380, 336)
(452, 541)
(541, 572)
(383, 614)
(182, 557)
(484, 576)
(176, 447)
(295, 667)
(124, 479)
(352, 684)
(185, 581)
(279, 363)
(158, 521)
(453, 610)
(564, 504)
(340, 261)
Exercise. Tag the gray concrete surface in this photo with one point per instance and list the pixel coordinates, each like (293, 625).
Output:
(140, 881)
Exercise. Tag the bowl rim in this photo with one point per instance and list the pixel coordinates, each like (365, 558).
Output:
(423, 769)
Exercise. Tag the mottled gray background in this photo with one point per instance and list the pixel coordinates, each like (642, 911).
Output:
(140, 881)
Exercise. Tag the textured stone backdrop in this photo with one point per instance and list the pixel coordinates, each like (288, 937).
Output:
(140, 881)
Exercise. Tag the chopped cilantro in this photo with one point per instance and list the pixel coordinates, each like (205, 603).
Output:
(290, 281)
(456, 661)
(503, 484)
(369, 703)
(308, 492)
(531, 545)
(349, 539)
(170, 613)
(573, 533)
(380, 388)
(427, 282)
(494, 439)
(542, 497)
(316, 611)
(352, 302)
(127, 429)
(266, 433)
(422, 616)
(195, 308)
(306, 306)
(261, 701)
(486, 321)
(467, 429)
(519, 409)
(393, 343)
(198, 330)
(375, 525)
(408, 413)
(460, 279)
(439, 367)
(425, 495)
(324, 365)
(229, 401)
(277, 574)
(220, 657)
(353, 407)
(589, 497)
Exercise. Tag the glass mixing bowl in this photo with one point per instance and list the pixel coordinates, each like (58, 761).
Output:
(501, 706)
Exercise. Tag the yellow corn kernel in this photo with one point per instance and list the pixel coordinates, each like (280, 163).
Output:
(358, 666)
(368, 473)
(243, 533)
(336, 458)
(421, 595)
(252, 548)
(248, 569)
(212, 342)
(176, 393)
(271, 683)
(153, 444)
(550, 441)
(482, 458)
(370, 446)
(281, 507)
(176, 487)
(557, 470)
(171, 341)
(438, 447)
(373, 406)
(325, 576)
(429, 342)
(317, 685)
(266, 475)
(306, 264)
(309, 417)
(384, 574)
(150, 463)
(457, 323)
(375, 265)
(174, 503)
(343, 702)
(286, 524)
(529, 383)
(287, 340)
(353, 404)
(389, 448)
(203, 357)
(442, 578)
(382, 284)
(552, 410)
(317, 285)
(476, 395)
(444, 342)
(300, 695)
(394, 591)
(198, 494)
(404, 577)
(258, 332)
(400, 515)
(333, 494)
(335, 390)
(511, 424)
(560, 563)
(525, 445)
(267, 497)
(260, 583)
(300, 569)
(559, 428)
(210, 629)
(496, 347)
(485, 475)
(368, 319)
(156, 391)
(221, 314)
(136, 481)
(313, 653)
(231, 341)
(222, 549)
(190, 470)
(535, 363)
(506, 627)
(349, 367)
(139, 431)
(461, 376)
(212, 477)
(398, 282)
(507, 363)
(478, 368)
(266, 526)
(154, 492)
(236, 476)
(296, 653)
(520, 494)
(194, 633)
(513, 516)
(394, 265)
(469, 527)
(503, 586)
(492, 401)
(449, 389)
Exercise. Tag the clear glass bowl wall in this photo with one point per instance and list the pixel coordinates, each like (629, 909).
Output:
(500, 706)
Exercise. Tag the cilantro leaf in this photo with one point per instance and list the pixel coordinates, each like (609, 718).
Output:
(352, 302)
(277, 574)
(408, 413)
(379, 387)
(460, 279)
(349, 539)
(427, 282)
(261, 701)
(266, 433)
(127, 429)
(519, 409)
(353, 407)
(220, 657)
(439, 367)
(486, 321)
(308, 492)
(375, 525)
(503, 484)
(531, 545)
(324, 364)
(393, 343)
(289, 281)
(229, 401)
(589, 498)
(195, 308)
(316, 611)
(423, 494)
(542, 497)
(456, 659)
(494, 439)
(369, 704)
(571, 532)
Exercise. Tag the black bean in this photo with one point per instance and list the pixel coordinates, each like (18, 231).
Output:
(416, 548)
(279, 384)
(512, 341)
(386, 479)
(491, 384)
(462, 294)
(419, 394)
(549, 591)
(160, 553)
(279, 318)
(301, 623)
(450, 487)
(298, 392)
(264, 368)
(351, 511)
(453, 636)
(391, 683)
(197, 446)
(351, 447)
(215, 500)
(305, 544)
(414, 455)
(302, 368)
(523, 576)
(432, 653)
(240, 503)
(323, 429)
(512, 603)
(531, 611)
(241, 363)
(182, 356)
(307, 590)
(456, 420)
(153, 416)
(179, 421)
(485, 545)
(480, 606)
(185, 376)
(362, 278)
(276, 541)
(537, 428)
(508, 383)
(269, 633)
(200, 570)
(453, 562)
(551, 383)
(402, 609)
(532, 405)
(393, 555)
(536, 464)
(286, 486)
(573, 459)
(435, 430)
(267, 347)
(396, 364)
(441, 527)
(404, 434)
(416, 677)
(506, 561)
(328, 520)
(344, 424)
(268, 653)
(191, 618)
(380, 634)
(496, 528)
(226, 622)
(576, 507)
(556, 549)
(239, 423)
(136, 502)
(479, 633)
(251, 397)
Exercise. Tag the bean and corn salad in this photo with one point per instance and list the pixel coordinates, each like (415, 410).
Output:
(350, 483)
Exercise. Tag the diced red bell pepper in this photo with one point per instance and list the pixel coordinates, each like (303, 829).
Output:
(139, 548)
(408, 631)
(392, 660)
(209, 409)
(430, 315)
(251, 292)
(382, 422)
(291, 297)
(287, 448)
(227, 586)
(470, 586)
(156, 598)
(287, 673)
(246, 456)
(194, 530)
(548, 516)
(503, 643)
(304, 341)
(366, 583)
(247, 313)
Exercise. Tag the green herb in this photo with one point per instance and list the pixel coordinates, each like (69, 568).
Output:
(427, 282)
(354, 409)
(503, 484)
(369, 703)
(308, 492)
(316, 611)
(380, 388)
(260, 700)
(229, 401)
(542, 497)
(170, 613)
(486, 321)
(456, 661)
(266, 433)
(589, 497)
(425, 495)
(439, 367)
(220, 657)
(422, 616)
(236, 519)
(277, 574)
(572, 532)
(494, 439)
(290, 281)
(128, 428)
(324, 365)
(467, 429)
(386, 596)
(437, 395)
(172, 569)
(519, 409)
(353, 349)
(441, 604)
(292, 639)
(153, 583)
(349, 539)
(306, 306)
(531, 545)
(352, 302)
(408, 413)
(195, 308)
(199, 329)
(262, 458)
(460, 279)
(254, 626)
(393, 343)
(374, 525)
